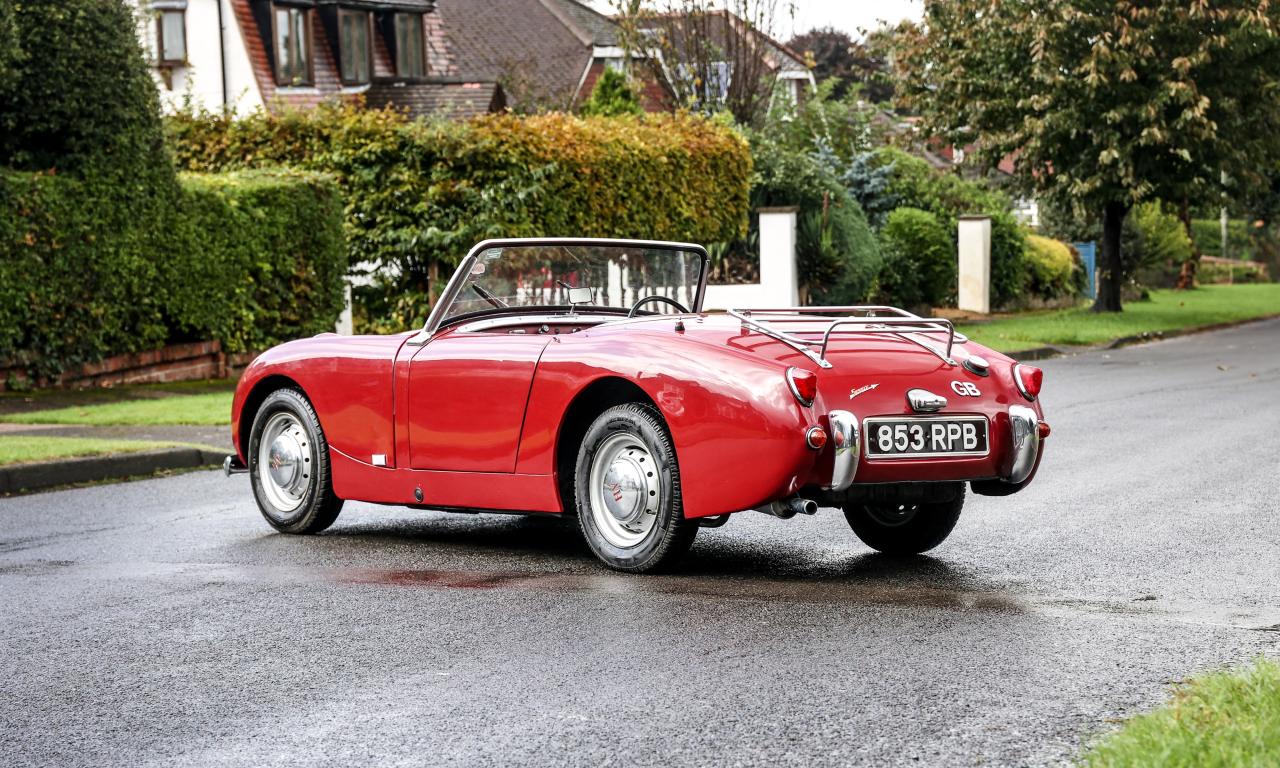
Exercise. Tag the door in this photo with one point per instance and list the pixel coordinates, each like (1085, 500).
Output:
(467, 397)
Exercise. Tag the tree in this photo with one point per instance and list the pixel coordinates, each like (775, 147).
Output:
(612, 96)
(834, 54)
(713, 55)
(1103, 103)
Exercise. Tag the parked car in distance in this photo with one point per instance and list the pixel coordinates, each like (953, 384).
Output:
(582, 378)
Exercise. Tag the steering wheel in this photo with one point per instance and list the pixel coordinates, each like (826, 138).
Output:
(663, 299)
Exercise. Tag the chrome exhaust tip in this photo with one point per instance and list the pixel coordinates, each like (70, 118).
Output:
(789, 508)
(231, 466)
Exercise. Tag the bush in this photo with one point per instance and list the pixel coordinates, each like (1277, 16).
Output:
(1154, 245)
(248, 260)
(916, 184)
(1052, 269)
(837, 255)
(420, 194)
(612, 96)
(920, 260)
(1208, 238)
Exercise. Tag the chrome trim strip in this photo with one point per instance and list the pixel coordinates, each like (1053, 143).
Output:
(871, 421)
(1024, 431)
(455, 284)
(847, 449)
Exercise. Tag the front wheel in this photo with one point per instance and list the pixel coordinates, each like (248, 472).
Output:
(907, 528)
(289, 465)
(627, 489)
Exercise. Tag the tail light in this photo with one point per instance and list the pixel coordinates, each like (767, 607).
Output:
(815, 437)
(803, 384)
(1028, 378)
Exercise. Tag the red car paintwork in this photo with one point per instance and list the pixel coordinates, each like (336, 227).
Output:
(474, 419)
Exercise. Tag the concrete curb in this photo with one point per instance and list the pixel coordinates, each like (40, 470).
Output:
(89, 469)
(1044, 353)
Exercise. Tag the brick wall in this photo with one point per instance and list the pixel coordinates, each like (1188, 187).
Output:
(177, 362)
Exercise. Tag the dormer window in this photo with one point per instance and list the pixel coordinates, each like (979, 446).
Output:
(354, 49)
(411, 59)
(292, 45)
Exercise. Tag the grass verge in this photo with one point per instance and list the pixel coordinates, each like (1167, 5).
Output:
(22, 449)
(1166, 311)
(1214, 721)
(205, 409)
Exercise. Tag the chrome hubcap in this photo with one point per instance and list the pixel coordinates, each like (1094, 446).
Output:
(625, 491)
(893, 515)
(285, 470)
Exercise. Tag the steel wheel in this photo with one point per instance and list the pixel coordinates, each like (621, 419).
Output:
(625, 492)
(892, 515)
(286, 469)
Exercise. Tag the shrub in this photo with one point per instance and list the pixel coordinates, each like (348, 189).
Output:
(837, 254)
(249, 260)
(420, 194)
(612, 96)
(920, 260)
(1208, 238)
(916, 184)
(1154, 245)
(1052, 269)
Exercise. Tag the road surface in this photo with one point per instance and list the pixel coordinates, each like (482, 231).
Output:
(163, 623)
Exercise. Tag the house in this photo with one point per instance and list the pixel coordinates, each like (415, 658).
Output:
(546, 53)
(248, 54)
(737, 60)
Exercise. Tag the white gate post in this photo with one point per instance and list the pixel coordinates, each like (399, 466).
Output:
(778, 275)
(344, 325)
(974, 240)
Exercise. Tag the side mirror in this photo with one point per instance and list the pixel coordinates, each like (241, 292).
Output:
(581, 296)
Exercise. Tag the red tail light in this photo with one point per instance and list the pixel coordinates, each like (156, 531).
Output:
(803, 384)
(1028, 378)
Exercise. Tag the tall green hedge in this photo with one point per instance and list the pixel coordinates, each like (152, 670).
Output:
(920, 260)
(420, 194)
(249, 259)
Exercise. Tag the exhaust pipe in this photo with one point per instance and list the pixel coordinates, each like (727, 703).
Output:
(789, 508)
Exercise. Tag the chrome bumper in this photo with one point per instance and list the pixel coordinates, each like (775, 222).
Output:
(845, 440)
(1024, 434)
(233, 466)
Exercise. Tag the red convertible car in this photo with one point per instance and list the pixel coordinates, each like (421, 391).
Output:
(582, 378)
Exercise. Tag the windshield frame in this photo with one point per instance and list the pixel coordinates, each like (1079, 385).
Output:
(459, 279)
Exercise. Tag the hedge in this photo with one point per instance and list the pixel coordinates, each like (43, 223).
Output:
(920, 260)
(249, 260)
(419, 194)
(916, 184)
(1208, 238)
(837, 254)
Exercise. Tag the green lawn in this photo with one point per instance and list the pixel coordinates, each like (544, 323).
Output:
(1166, 311)
(18, 449)
(206, 409)
(1215, 721)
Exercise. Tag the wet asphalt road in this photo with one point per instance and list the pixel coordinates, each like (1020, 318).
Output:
(161, 622)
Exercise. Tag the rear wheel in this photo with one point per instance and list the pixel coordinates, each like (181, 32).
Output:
(906, 528)
(289, 465)
(627, 489)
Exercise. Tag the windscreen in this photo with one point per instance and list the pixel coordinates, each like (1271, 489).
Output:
(579, 276)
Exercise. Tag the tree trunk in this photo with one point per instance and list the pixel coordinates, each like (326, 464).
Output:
(1111, 269)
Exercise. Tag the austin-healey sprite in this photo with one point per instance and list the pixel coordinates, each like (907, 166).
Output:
(583, 378)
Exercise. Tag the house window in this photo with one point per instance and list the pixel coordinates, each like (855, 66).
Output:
(353, 46)
(293, 45)
(411, 59)
(171, 36)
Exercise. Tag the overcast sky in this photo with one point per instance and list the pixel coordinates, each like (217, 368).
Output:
(846, 15)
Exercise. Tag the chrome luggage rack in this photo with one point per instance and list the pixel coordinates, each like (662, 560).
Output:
(856, 319)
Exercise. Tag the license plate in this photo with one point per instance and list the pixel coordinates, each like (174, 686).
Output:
(910, 438)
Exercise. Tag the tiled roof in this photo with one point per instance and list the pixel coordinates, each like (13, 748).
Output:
(443, 98)
(592, 27)
(523, 42)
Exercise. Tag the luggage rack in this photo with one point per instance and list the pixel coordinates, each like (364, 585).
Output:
(897, 323)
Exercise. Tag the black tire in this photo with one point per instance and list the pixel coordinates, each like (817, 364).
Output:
(287, 413)
(905, 529)
(637, 436)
